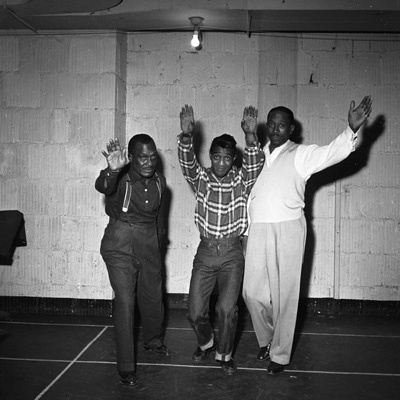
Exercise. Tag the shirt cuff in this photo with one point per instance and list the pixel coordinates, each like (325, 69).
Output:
(111, 174)
(353, 136)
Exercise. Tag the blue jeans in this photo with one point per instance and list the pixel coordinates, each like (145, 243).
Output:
(221, 262)
(133, 261)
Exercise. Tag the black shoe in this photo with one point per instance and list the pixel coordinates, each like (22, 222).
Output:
(228, 367)
(164, 350)
(263, 354)
(275, 368)
(200, 355)
(128, 379)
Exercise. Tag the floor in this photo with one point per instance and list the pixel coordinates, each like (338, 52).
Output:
(73, 357)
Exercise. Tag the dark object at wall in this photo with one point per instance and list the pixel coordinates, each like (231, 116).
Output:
(12, 234)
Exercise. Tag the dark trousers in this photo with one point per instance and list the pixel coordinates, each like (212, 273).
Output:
(133, 261)
(221, 262)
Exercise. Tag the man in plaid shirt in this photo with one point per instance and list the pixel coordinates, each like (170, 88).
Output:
(221, 216)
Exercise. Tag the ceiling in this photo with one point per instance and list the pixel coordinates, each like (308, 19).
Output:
(219, 15)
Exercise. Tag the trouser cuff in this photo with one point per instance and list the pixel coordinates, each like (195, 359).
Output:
(223, 357)
(208, 345)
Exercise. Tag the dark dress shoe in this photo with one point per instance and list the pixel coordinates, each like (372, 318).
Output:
(275, 368)
(164, 350)
(228, 367)
(200, 355)
(263, 354)
(128, 379)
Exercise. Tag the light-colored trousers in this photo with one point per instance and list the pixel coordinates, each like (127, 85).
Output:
(271, 284)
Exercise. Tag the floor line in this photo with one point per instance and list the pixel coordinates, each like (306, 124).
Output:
(293, 371)
(56, 324)
(70, 364)
(191, 329)
(348, 334)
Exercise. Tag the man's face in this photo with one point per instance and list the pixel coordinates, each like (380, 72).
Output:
(221, 161)
(279, 129)
(144, 160)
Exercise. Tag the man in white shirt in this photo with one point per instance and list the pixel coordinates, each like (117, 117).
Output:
(277, 232)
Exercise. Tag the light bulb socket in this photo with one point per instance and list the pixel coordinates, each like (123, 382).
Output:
(196, 21)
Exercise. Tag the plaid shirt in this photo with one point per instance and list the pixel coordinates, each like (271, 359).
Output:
(221, 206)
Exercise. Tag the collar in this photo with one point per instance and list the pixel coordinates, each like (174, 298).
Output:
(232, 172)
(135, 177)
(277, 149)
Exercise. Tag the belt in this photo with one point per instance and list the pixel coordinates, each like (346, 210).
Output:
(222, 240)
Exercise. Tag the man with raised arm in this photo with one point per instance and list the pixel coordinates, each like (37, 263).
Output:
(134, 194)
(221, 193)
(277, 232)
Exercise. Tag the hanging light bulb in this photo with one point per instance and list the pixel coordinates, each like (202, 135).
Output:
(196, 39)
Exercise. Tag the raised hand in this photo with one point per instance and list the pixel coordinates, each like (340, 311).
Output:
(115, 156)
(357, 116)
(187, 120)
(249, 121)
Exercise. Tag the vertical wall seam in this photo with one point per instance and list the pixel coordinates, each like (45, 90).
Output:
(336, 250)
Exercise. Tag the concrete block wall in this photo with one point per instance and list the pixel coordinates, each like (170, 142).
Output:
(218, 81)
(63, 96)
(59, 105)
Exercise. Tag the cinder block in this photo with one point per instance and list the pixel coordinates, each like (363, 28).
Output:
(44, 232)
(217, 42)
(148, 42)
(45, 54)
(150, 101)
(59, 91)
(9, 193)
(161, 68)
(93, 231)
(136, 69)
(86, 269)
(92, 54)
(9, 46)
(82, 199)
(61, 123)
(380, 237)
(72, 233)
(316, 41)
(228, 68)
(330, 68)
(35, 125)
(275, 43)
(12, 161)
(374, 203)
(96, 91)
(365, 69)
(196, 68)
(390, 68)
(45, 161)
(8, 125)
(360, 270)
(22, 90)
(268, 68)
(272, 96)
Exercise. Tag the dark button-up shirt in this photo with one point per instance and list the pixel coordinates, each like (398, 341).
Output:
(146, 203)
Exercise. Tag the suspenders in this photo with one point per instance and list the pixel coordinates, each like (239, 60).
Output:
(127, 198)
(128, 192)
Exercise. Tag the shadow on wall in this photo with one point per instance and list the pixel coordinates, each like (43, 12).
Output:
(348, 167)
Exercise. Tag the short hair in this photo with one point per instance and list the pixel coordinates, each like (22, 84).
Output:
(139, 139)
(225, 141)
(285, 110)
